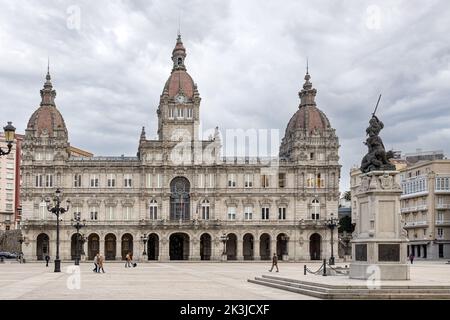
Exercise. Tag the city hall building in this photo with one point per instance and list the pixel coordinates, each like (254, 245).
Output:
(179, 191)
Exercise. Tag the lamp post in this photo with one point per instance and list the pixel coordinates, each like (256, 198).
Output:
(9, 137)
(331, 223)
(76, 223)
(144, 239)
(82, 241)
(57, 210)
(224, 238)
(21, 240)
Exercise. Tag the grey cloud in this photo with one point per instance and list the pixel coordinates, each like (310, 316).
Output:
(248, 59)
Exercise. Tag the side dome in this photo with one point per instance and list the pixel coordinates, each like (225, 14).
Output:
(47, 119)
(305, 125)
(308, 118)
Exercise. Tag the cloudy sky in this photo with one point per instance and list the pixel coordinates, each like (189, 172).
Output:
(109, 61)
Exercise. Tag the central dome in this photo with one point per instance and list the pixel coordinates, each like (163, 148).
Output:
(180, 81)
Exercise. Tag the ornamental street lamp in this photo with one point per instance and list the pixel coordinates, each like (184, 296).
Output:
(144, 239)
(82, 241)
(9, 137)
(76, 223)
(21, 240)
(57, 210)
(224, 238)
(332, 223)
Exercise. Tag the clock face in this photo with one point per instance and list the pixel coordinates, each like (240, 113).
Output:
(179, 98)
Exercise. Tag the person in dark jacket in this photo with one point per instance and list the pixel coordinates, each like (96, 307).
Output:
(274, 262)
(47, 259)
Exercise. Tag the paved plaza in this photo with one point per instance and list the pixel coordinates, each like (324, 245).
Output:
(176, 280)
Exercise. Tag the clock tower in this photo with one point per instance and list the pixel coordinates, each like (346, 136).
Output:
(179, 105)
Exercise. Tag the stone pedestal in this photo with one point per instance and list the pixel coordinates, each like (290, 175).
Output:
(379, 243)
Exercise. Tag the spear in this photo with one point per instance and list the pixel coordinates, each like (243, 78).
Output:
(376, 107)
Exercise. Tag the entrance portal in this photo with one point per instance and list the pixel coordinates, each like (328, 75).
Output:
(153, 247)
(205, 247)
(42, 246)
(179, 246)
(314, 246)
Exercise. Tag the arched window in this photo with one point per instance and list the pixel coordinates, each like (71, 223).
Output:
(180, 61)
(180, 199)
(153, 210)
(205, 209)
(315, 209)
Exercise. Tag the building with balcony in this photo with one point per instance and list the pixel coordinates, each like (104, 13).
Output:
(179, 191)
(10, 179)
(425, 207)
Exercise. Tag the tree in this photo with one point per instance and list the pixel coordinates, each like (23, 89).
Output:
(348, 195)
(345, 224)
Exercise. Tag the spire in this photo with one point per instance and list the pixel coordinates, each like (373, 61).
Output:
(178, 54)
(47, 93)
(143, 133)
(307, 66)
(308, 93)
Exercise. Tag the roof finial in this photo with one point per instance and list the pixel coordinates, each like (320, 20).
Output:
(307, 66)
(179, 26)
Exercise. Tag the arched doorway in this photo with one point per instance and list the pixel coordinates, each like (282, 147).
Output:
(205, 247)
(75, 246)
(93, 245)
(42, 246)
(153, 247)
(248, 246)
(180, 199)
(282, 245)
(179, 246)
(264, 246)
(231, 247)
(110, 247)
(127, 245)
(314, 246)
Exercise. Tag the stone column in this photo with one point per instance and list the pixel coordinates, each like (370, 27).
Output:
(194, 250)
(164, 249)
(118, 249)
(137, 248)
(256, 249)
(240, 249)
(216, 249)
(273, 247)
(101, 245)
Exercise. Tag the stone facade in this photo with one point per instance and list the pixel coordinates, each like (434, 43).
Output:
(179, 191)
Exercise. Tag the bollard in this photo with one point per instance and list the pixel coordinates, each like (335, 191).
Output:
(324, 267)
(304, 270)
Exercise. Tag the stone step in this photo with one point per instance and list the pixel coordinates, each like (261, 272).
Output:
(319, 291)
(365, 290)
(343, 286)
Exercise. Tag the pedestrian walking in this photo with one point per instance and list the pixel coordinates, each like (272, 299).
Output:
(274, 262)
(95, 263)
(128, 260)
(411, 258)
(47, 259)
(101, 259)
